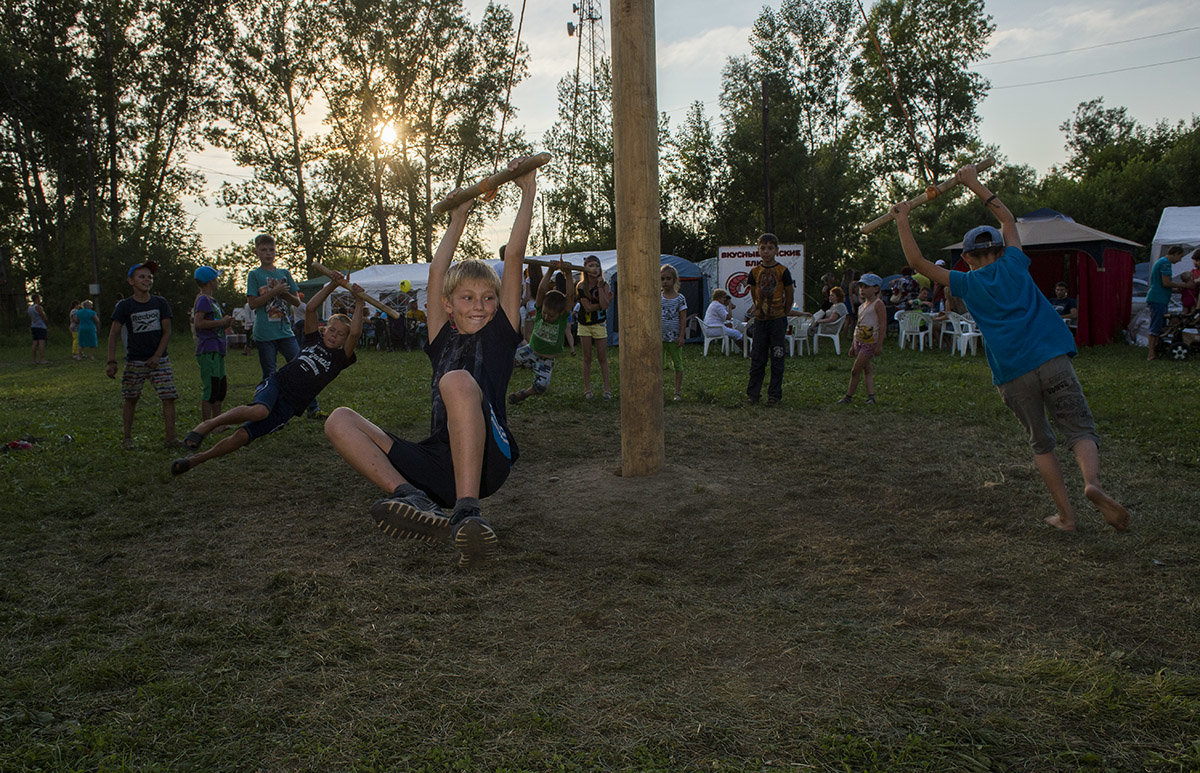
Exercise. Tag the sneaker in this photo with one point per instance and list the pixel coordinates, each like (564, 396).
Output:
(320, 415)
(870, 399)
(474, 538)
(772, 401)
(414, 516)
(516, 397)
(844, 401)
(751, 400)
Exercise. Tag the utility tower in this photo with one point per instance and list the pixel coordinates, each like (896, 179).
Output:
(591, 104)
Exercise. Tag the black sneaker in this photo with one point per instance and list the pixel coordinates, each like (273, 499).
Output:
(870, 399)
(414, 516)
(772, 401)
(474, 538)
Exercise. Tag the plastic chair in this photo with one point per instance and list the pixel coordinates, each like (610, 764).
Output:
(966, 333)
(710, 336)
(911, 329)
(832, 331)
(797, 335)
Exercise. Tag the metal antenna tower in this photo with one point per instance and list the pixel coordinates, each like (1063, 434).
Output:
(590, 66)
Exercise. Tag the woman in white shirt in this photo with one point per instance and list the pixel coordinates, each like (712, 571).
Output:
(717, 317)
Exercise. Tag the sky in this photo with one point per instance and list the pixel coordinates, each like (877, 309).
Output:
(1045, 58)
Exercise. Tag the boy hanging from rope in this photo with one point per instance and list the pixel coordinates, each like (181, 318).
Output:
(1029, 349)
(288, 391)
(473, 333)
(549, 334)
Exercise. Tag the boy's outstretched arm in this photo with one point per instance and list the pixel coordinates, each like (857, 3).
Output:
(312, 310)
(969, 177)
(514, 251)
(435, 312)
(356, 324)
(912, 253)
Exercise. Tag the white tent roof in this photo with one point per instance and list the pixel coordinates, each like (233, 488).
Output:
(1178, 225)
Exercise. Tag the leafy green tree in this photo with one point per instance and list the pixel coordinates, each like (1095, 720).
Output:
(928, 47)
(581, 200)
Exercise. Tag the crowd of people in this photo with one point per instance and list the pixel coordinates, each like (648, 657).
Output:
(479, 325)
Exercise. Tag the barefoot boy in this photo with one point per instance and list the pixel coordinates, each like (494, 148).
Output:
(1028, 349)
(288, 391)
(474, 329)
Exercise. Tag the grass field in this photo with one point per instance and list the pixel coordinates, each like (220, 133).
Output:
(805, 587)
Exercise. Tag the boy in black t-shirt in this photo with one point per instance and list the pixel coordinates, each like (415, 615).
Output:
(473, 334)
(288, 391)
(147, 320)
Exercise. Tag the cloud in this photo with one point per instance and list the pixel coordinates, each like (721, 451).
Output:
(711, 47)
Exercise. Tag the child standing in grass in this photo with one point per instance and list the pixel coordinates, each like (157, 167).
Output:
(210, 326)
(1029, 350)
(674, 320)
(594, 299)
(474, 331)
(287, 392)
(548, 335)
(146, 320)
(869, 332)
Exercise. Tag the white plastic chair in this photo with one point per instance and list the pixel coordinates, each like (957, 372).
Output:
(797, 335)
(911, 329)
(832, 331)
(711, 335)
(966, 333)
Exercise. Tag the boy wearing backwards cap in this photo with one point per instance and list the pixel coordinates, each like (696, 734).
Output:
(1029, 350)
(210, 326)
(148, 319)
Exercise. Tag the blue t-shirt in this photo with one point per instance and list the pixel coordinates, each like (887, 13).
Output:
(272, 320)
(1020, 327)
(1156, 292)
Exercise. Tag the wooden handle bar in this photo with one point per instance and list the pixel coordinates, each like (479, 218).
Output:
(917, 201)
(552, 264)
(490, 183)
(362, 296)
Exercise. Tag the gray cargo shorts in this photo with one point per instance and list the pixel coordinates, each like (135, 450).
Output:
(1051, 388)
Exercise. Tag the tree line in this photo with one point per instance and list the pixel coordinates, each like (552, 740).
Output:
(354, 117)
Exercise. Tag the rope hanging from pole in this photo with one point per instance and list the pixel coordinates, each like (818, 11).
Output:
(512, 69)
(931, 188)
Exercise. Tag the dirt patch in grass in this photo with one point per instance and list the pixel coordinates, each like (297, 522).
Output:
(801, 587)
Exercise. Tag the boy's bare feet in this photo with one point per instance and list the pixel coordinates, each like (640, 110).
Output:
(1115, 514)
(1059, 522)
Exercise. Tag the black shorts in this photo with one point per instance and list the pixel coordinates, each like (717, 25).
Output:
(39, 333)
(428, 464)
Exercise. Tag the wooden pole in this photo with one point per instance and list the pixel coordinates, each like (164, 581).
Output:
(635, 173)
(388, 310)
(489, 184)
(917, 201)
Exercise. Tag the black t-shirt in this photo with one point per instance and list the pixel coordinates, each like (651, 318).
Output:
(312, 370)
(143, 325)
(1063, 305)
(486, 355)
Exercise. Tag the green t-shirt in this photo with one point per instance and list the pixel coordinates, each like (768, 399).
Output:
(549, 338)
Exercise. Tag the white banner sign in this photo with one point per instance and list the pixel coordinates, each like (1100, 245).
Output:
(733, 273)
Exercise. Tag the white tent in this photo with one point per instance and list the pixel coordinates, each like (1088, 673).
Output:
(1177, 225)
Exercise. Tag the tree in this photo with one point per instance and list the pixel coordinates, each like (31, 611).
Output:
(919, 125)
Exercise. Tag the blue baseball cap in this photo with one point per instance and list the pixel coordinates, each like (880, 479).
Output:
(206, 274)
(872, 280)
(981, 237)
(150, 264)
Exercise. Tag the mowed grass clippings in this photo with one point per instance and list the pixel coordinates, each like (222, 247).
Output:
(809, 586)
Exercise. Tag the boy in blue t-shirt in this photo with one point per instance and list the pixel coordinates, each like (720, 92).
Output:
(1028, 349)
